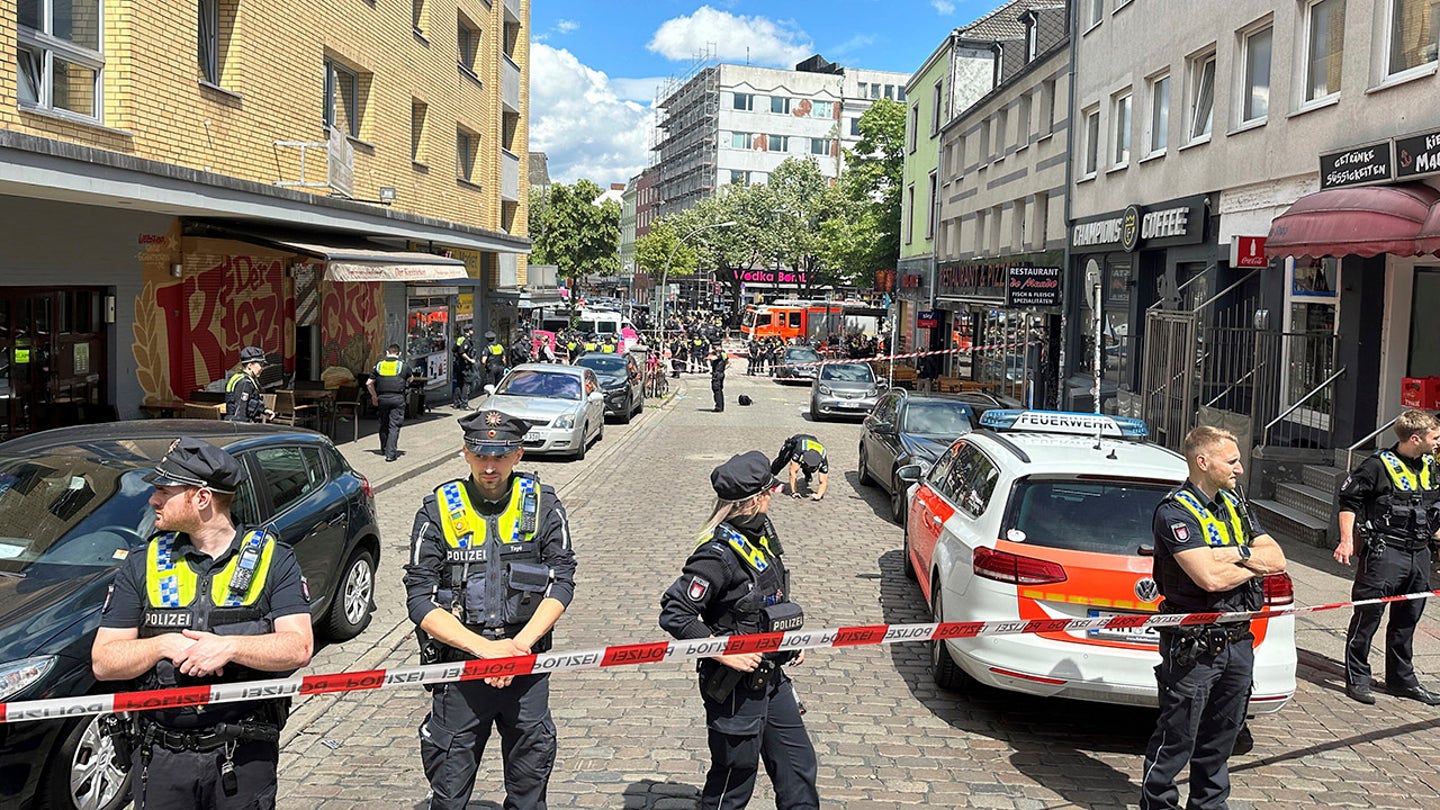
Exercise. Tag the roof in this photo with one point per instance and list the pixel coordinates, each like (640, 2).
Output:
(1069, 454)
(1003, 22)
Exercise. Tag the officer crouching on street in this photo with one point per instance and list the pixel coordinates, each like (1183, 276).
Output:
(804, 455)
(206, 602)
(491, 571)
(735, 583)
(1391, 499)
(1210, 554)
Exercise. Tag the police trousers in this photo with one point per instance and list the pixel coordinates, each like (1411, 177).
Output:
(748, 727)
(717, 388)
(1386, 571)
(454, 734)
(190, 780)
(390, 410)
(1202, 707)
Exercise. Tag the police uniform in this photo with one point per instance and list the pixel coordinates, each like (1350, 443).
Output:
(222, 755)
(493, 356)
(244, 401)
(806, 451)
(736, 583)
(1205, 671)
(718, 364)
(464, 370)
(391, 379)
(490, 564)
(1393, 499)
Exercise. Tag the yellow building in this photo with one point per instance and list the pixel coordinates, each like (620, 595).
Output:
(183, 178)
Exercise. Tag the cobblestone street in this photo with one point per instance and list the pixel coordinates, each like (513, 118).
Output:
(633, 737)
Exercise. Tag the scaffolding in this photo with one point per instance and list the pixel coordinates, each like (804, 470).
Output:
(684, 144)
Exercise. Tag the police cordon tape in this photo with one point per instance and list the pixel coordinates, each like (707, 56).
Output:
(909, 355)
(627, 655)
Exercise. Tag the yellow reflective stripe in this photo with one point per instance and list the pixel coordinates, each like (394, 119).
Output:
(465, 528)
(234, 380)
(1216, 532)
(22, 356)
(220, 586)
(811, 444)
(185, 581)
(1400, 475)
(388, 368)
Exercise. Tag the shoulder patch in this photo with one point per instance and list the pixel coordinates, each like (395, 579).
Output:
(699, 586)
(109, 593)
(305, 587)
(1181, 532)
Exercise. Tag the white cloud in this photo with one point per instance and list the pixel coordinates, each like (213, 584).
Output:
(851, 45)
(566, 26)
(943, 6)
(642, 90)
(758, 40)
(585, 129)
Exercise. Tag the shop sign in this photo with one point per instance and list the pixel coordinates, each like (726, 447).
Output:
(1356, 167)
(433, 292)
(1248, 251)
(1178, 222)
(927, 319)
(1417, 155)
(1032, 287)
(763, 276)
(973, 280)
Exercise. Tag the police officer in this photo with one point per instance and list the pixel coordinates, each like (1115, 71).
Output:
(464, 369)
(735, 583)
(244, 401)
(1210, 554)
(1391, 500)
(520, 349)
(719, 361)
(205, 602)
(804, 454)
(493, 356)
(491, 571)
(388, 384)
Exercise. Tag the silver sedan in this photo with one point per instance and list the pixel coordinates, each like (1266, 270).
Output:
(843, 389)
(563, 405)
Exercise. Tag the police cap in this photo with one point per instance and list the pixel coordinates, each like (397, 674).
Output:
(493, 433)
(253, 354)
(489, 335)
(743, 476)
(193, 463)
(811, 459)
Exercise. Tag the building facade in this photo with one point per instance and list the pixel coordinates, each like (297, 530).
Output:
(174, 187)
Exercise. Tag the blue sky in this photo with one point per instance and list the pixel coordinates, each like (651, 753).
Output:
(595, 66)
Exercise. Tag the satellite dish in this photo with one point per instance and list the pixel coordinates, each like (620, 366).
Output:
(1092, 274)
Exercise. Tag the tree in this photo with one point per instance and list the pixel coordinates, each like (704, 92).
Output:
(869, 198)
(800, 194)
(575, 234)
(655, 248)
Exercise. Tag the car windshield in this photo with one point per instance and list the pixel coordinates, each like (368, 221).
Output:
(801, 354)
(543, 384)
(847, 372)
(1106, 516)
(603, 364)
(937, 417)
(70, 510)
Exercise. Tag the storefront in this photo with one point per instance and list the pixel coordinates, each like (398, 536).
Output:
(913, 295)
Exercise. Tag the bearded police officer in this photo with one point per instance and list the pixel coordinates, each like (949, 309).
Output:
(1390, 503)
(804, 455)
(244, 399)
(491, 571)
(205, 602)
(388, 384)
(1210, 554)
(735, 583)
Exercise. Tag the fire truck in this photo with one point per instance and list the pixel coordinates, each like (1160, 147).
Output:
(803, 320)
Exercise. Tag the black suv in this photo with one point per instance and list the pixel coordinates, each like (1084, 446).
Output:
(620, 380)
(73, 505)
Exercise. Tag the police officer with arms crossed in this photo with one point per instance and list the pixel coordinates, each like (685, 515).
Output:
(388, 384)
(244, 400)
(165, 625)
(1391, 498)
(491, 570)
(804, 454)
(1210, 554)
(735, 583)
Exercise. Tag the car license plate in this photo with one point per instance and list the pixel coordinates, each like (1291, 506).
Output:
(848, 404)
(535, 436)
(1128, 635)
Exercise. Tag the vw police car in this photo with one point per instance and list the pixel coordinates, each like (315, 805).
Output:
(1047, 515)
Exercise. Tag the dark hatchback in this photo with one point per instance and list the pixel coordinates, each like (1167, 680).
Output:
(620, 381)
(73, 505)
(906, 427)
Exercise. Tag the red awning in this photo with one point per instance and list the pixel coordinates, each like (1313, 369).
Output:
(1429, 239)
(1364, 221)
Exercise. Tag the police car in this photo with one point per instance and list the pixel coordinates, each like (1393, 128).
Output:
(1047, 515)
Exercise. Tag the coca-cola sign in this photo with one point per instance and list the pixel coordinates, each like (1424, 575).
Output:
(1027, 286)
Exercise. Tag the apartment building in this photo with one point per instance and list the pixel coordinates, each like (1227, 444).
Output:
(317, 179)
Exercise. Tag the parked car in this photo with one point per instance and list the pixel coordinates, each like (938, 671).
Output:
(620, 382)
(909, 428)
(843, 389)
(798, 363)
(1024, 519)
(73, 505)
(563, 404)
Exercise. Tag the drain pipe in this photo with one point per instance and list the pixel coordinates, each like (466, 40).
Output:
(1061, 371)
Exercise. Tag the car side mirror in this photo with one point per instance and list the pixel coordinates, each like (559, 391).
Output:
(883, 428)
(490, 388)
(910, 473)
(596, 396)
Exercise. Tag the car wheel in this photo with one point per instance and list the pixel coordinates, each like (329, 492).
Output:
(629, 412)
(584, 445)
(814, 413)
(905, 553)
(353, 602)
(600, 434)
(640, 404)
(948, 674)
(81, 775)
(865, 478)
(897, 500)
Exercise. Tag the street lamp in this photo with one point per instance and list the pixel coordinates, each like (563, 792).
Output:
(665, 274)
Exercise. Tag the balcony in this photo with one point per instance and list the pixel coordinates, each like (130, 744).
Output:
(509, 84)
(509, 176)
(512, 11)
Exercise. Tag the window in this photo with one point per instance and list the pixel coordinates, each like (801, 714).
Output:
(932, 204)
(980, 230)
(1047, 107)
(861, 88)
(900, 93)
(1202, 95)
(418, 112)
(467, 44)
(417, 19)
(855, 127)
(874, 91)
(59, 59)
(1159, 115)
(1091, 155)
(1122, 129)
(937, 105)
(821, 146)
(1038, 220)
(910, 213)
(208, 41)
(824, 109)
(914, 128)
(745, 101)
(777, 143)
(779, 104)
(971, 480)
(1017, 226)
(1412, 31)
(1025, 113)
(342, 99)
(291, 473)
(1324, 47)
(741, 140)
(984, 155)
(1002, 132)
(467, 146)
(890, 91)
(739, 177)
(1255, 98)
(1097, 12)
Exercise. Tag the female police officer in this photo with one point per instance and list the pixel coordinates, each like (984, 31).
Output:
(734, 583)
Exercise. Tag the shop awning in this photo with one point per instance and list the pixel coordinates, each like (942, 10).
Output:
(1364, 221)
(1428, 241)
(343, 263)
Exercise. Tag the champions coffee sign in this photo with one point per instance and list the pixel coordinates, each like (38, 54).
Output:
(1033, 287)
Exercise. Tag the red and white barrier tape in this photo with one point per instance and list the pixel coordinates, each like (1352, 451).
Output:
(622, 655)
(909, 355)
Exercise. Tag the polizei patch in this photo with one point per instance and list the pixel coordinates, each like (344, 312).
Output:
(699, 586)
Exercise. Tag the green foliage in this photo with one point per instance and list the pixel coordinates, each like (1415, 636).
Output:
(661, 245)
(864, 233)
(575, 234)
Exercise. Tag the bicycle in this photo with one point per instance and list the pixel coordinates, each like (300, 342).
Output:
(656, 383)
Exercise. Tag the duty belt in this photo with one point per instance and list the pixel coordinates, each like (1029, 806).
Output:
(207, 739)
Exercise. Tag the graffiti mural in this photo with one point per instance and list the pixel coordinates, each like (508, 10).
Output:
(351, 325)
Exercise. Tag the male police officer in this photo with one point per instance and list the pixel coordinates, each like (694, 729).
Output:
(1209, 556)
(205, 602)
(719, 361)
(464, 369)
(491, 571)
(1391, 499)
(388, 384)
(493, 356)
(804, 454)
(243, 397)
